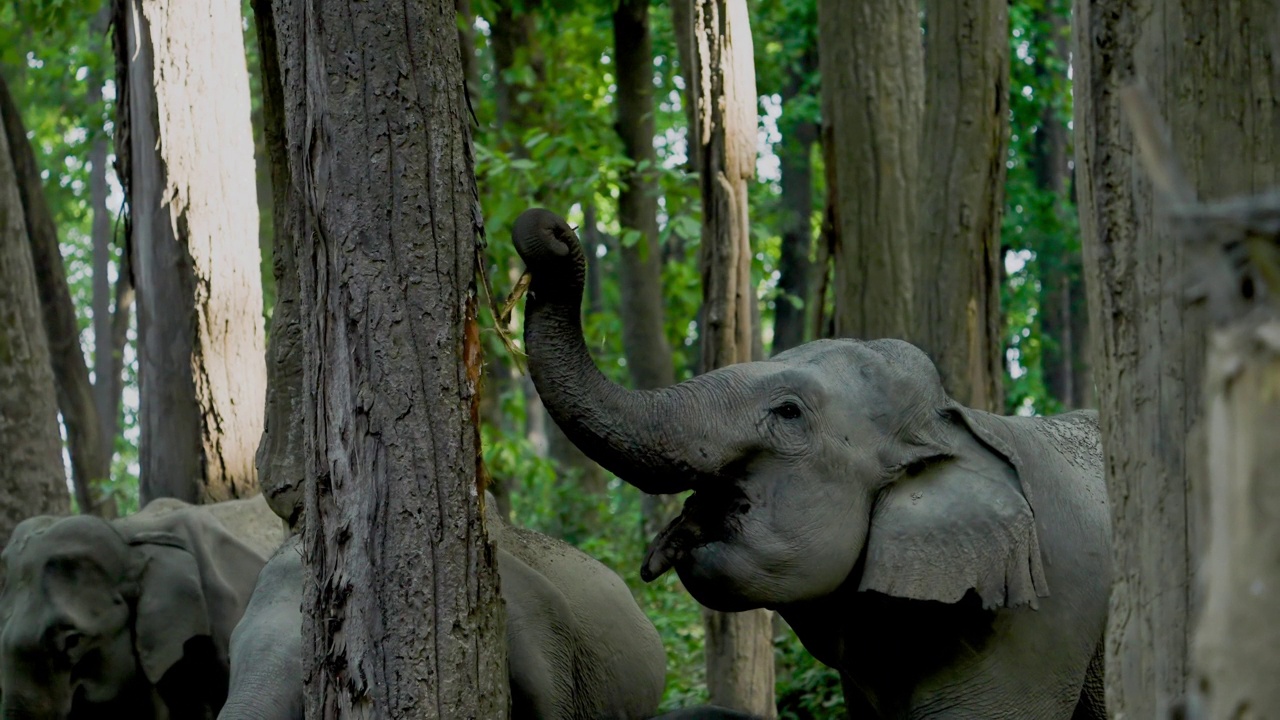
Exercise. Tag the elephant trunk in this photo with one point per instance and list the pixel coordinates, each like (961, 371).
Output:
(649, 438)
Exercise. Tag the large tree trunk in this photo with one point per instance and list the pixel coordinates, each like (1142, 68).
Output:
(966, 132)
(873, 94)
(32, 479)
(279, 460)
(402, 612)
(644, 341)
(739, 646)
(194, 213)
(90, 464)
(1208, 66)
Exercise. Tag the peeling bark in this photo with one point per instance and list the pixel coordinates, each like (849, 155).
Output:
(195, 242)
(740, 672)
(402, 613)
(32, 479)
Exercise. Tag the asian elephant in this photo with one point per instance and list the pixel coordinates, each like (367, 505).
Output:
(128, 618)
(578, 645)
(949, 563)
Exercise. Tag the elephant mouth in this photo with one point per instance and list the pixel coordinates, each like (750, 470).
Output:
(709, 515)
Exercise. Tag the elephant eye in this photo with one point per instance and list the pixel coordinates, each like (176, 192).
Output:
(787, 411)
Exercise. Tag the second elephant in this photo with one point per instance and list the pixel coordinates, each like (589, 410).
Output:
(578, 645)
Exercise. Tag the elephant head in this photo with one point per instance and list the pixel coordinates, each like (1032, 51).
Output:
(836, 462)
(130, 615)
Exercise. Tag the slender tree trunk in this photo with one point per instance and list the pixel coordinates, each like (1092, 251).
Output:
(279, 460)
(467, 46)
(795, 295)
(32, 479)
(966, 132)
(739, 648)
(194, 212)
(1208, 67)
(402, 613)
(75, 396)
(644, 341)
(873, 93)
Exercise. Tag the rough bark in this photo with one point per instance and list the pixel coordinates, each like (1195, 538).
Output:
(403, 616)
(966, 134)
(795, 296)
(873, 91)
(89, 463)
(32, 479)
(644, 342)
(279, 460)
(739, 647)
(1208, 67)
(196, 257)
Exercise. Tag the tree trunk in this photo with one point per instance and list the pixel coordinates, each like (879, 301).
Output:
(194, 210)
(279, 460)
(873, 92)
(644, 340)
(739, 646)
(89, 465)
(402, 612)
(32, 479)
(795, 296)
(966, 131)
(1208, 67)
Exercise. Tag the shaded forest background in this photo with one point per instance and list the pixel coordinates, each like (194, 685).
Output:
(549, 96)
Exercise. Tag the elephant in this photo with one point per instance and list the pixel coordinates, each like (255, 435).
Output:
(126, 618)
(947, 562)
(578, 645)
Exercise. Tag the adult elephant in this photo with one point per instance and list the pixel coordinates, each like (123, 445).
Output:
(948, 562)
(129, 618)
(578, 645)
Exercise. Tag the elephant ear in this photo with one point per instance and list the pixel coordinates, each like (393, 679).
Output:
(171, 607)
(950, 528)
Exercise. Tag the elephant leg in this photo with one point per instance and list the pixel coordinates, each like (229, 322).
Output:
(1092, 705)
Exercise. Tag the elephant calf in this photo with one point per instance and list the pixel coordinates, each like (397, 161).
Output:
(578, 645)
(129, 618)
(950, 563)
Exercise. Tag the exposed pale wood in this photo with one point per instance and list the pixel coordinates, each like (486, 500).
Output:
(196, 258)
(739, 646)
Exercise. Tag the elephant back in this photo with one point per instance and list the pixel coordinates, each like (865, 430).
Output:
(621, 664)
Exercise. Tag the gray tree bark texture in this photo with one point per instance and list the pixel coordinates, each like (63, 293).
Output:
(403, 615)
(966, 135)
(32, 479)
(873, 96)
(1208, 67)
(279, 460)
(90, 465)
(739, 646)
(196, 256)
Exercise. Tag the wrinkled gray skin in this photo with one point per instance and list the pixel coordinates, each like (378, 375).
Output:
(130, 618)
(949, 563)
(578, 645)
